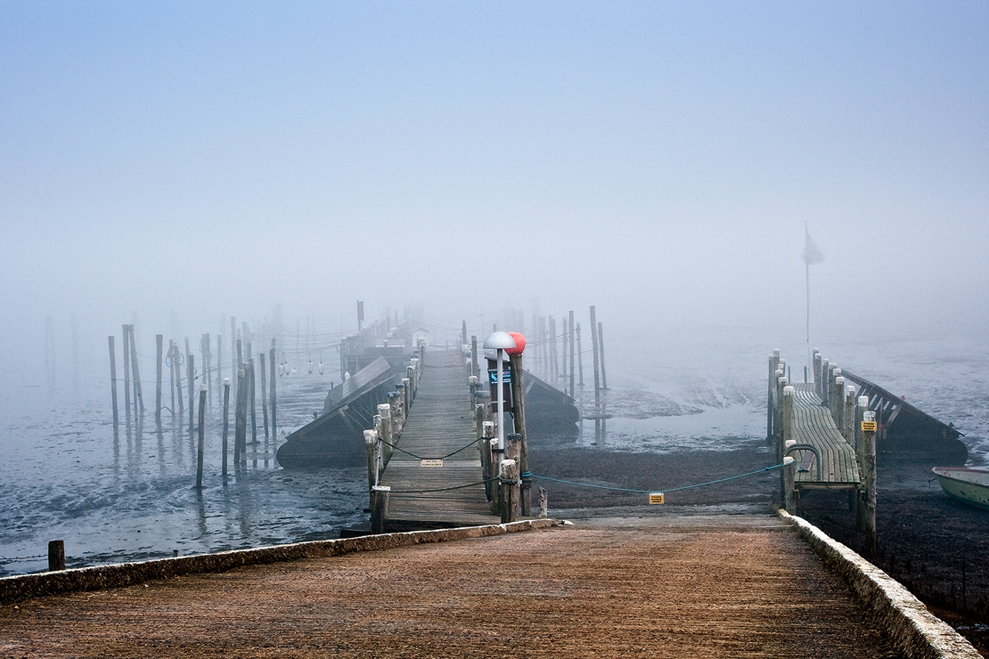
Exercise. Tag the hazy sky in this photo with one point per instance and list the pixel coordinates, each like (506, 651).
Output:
(658, 159)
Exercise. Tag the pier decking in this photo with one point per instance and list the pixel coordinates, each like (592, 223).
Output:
(813, 425)
(440, 422)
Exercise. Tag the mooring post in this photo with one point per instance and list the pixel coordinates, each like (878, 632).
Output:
(848, 428)
(113, 387)
(518, 404)
(604, 377)
(472, 386)
(489, 445)
(379, 508)
(202, 437)
(370, 450)
(397, 420)
(572, 353)
(126, 349)
(56, 555)
(252, 391)
(508, 482)
(597, 367)
(474, 368)
(271, 387)
(821, 385)
(866, 512)
(543, 504)
(839, 404)
(264, 394)
(770, 404)
(138, 395)
(159, 341)
(191, 376)
(407, 384)
(240, 416)
(226, 421)
(789, 471)
(387, 431)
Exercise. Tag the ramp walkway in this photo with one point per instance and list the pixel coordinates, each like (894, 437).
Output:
(656, 586)
(813, 425)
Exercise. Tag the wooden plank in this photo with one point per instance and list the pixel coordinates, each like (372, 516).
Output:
(813, 425)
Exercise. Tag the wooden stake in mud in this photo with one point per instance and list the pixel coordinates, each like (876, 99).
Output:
(240, 417)
(113, 388)
(518, 405)
(126, 349)
(226, 421)
(597, 367)
(580, 359)
(219, 361)
(159, 344)
(271, 385)
(190, 372)
(171, 374)
(202, 437)
(264, 394)
(138, 396)
(604, 378)
(572, 351)
(252, 391)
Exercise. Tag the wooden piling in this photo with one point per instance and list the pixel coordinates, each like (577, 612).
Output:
(56, 555)
(138, 395)
(113, 388)
(171, 375)
(788, 471)
(379, 508)
(240, 417)
(597, 367)
(159, 341)
(190, 373)
(572, 352)
(271, 387)
(252, 401)
(604, 377)
(508, 483)
(474, 368)
(264, 395)
(543, 503)
(202, 438)
(370, 452)
(580, 358)
(518, 412)
(226, 422)
(866, 511)
(126, 350)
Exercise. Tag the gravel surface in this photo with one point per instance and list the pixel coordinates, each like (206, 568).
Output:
(655, 585)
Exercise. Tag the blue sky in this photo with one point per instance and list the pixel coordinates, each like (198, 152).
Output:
(658, 159)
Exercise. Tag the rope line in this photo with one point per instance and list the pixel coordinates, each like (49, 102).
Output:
(675, 489)
(419, 457)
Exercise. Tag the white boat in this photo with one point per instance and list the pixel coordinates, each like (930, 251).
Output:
(969, 485)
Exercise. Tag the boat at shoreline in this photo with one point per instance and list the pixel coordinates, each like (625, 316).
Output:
(965, 484)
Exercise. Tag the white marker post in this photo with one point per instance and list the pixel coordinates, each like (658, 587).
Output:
(500, 341)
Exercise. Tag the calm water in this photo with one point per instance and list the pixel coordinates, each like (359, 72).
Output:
(62, 475)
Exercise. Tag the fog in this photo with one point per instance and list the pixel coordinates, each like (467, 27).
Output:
(179, 163)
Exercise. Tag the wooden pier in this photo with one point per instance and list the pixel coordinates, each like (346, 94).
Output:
(429, 487)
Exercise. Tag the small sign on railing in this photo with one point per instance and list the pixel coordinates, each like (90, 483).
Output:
(869, 421)
(431, 463)
(656, 497)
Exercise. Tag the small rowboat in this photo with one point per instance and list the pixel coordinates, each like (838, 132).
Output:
(969, 485)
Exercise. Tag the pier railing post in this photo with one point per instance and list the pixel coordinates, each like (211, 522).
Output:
(487, 458)
(379, 507)
(370, 449)
(771, 404)
(387, 431)
(866, 511)
(407, 385)
(397, 420)
(788, 472)
(838, 409)
(518, 403)
(508, 482)
(848, 429)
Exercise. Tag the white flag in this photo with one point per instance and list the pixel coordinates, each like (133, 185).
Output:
(812, 253)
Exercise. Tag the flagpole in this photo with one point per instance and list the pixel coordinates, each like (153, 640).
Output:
(810, 365)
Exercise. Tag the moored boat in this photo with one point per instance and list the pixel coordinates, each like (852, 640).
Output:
(964, 483)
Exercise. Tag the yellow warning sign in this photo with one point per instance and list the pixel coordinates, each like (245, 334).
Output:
(868, 426)
(656, 497)
(431, 463)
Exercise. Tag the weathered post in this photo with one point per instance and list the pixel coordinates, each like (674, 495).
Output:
(580, 359)
(219, 360)
(384, 411)
(604, 378)
(271, 387)
(226, 420)
(264, 394)
(553, 362)
(370, 450)
(848, 428)
(488, 444)
(463, 332)
(474, 368)
(126, 350)
(770, 405)
(202, 437)
(159, 340)
(508, 483)
(594, 344)
(821, 385)
(866, 512)
(191, 376)
(56, 555)
(397, 420)
(252, 390)
(113, 387)
(543, 504)
(789, 471)
(518, 404)
(138, 395)
(572, 352)
(170, 361)
(379, 508)
(839, 404)
(240, 416)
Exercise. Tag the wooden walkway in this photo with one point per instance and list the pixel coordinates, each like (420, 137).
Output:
(439, 423)
(812, 424)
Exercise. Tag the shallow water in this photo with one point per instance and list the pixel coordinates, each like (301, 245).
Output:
(62, 475)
